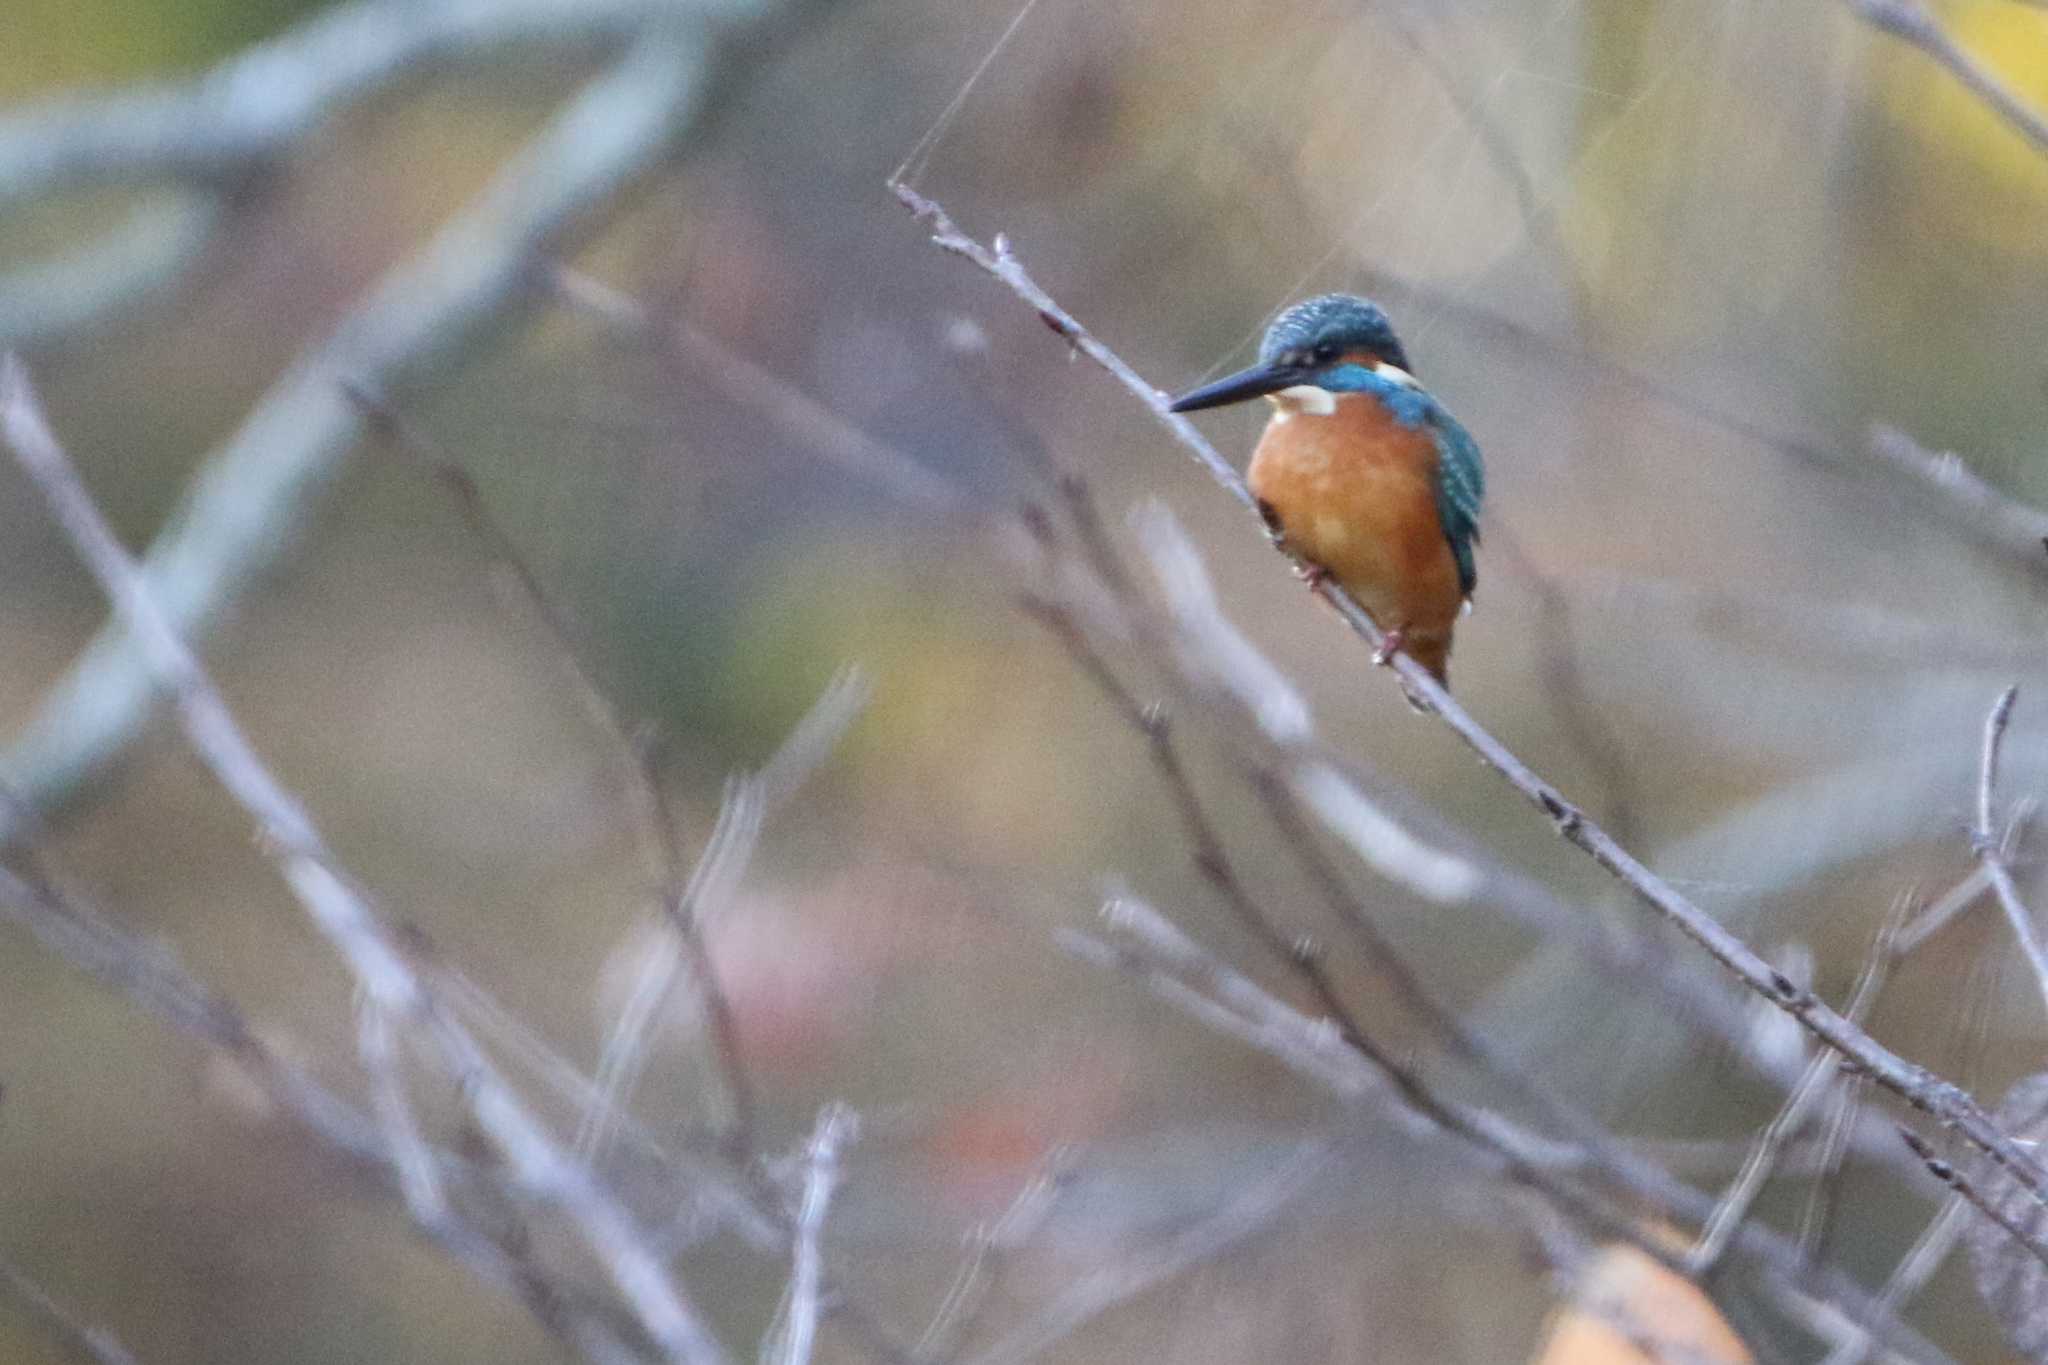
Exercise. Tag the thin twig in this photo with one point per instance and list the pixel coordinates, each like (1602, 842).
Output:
(1253, 1208)
(1565, 683)
(837, 1126)
(343, 913)
(1908, 21)
(1183, 974)
(684, 892)
(708, 886)
(746, 383)
(146, 973)
(254, 491)
(1922, 1089)
(1984, 839)
(1944, 909)
(1946, 1172)
(1912, 1273)
(419, 1178)
(1213, 646)
(1792, 1116)
(96, 1343)
(991, 1249)
(1286, 728)
(1977, 508)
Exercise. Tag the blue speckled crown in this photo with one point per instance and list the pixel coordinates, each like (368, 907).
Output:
(1345, 321)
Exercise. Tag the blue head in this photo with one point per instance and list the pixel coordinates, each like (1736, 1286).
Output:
(1308, 344)
(1322, 331)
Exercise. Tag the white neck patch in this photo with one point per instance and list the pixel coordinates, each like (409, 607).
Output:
(1397, 375)
(1303, 398)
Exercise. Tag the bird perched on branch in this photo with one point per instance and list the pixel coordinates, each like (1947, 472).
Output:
(1361, 472)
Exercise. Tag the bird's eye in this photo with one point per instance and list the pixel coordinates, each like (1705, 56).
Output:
(1324, 354)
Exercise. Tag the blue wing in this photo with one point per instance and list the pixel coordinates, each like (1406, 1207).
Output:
(1460, 476)
(1460, 487)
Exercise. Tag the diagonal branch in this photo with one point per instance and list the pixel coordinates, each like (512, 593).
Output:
(96, 1343)
(1990, 853)
(1993, 517)
(470, 280)
(1907, 21)
(1919, 1087)
(342, 912)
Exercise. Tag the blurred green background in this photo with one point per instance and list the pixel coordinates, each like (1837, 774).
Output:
(1782, 656)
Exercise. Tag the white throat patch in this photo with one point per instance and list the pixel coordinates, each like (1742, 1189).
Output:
(1303, 398)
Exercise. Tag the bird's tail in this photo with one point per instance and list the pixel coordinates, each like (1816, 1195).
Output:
(1433, 652)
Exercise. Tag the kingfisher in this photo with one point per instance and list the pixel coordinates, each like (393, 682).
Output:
(1361, 472)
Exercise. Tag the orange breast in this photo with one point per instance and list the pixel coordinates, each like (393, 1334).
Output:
(1354, 492)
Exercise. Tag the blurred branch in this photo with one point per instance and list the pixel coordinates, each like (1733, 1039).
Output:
(1909, 22)
(748, 384)
(1912, 1273)
(122, 269)
(837, 1126)
(94, 1343)
(1566, 684)
(1828, 629)
(991, 1248)
(146, 974)
(1943, 911)
(1251, 1209)
(1185, 975)
(1974, 505)
(428, 312)
(681, 893)
(691, 900)
(1920, 1088)
(212, 136)
(1985, 840)
(535, 1163)
(1965, 1188)
(1792, 1117)
(250, 112)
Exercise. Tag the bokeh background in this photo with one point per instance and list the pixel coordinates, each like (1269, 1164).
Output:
(1666, 259)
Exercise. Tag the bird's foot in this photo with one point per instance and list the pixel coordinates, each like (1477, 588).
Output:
(1312, 575)
(1391, 643)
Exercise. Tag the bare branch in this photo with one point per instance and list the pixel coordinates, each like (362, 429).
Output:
(1908, 21)
(1912, 1273)
(837, 1126)
(1947, 1174)
(684, 894)
(1945, 909)
(991, 1247)
(146, 974)
(1939, 1098)
(1186, 976)
(214, 135)
(337, 908)
(1975, 507)
(1984, 838)
(468, 281)
(418, 1179)
(748, 384)
(1251, 1210)
(96, 1343)
(716, 876)
(1792, 1116)
(127, 267)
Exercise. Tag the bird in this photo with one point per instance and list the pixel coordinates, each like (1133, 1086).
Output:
(1361, 472)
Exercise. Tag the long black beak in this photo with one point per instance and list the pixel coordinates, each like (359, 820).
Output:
(1255, 382)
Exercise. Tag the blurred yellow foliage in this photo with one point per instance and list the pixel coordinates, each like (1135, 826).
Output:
(1971, 174)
